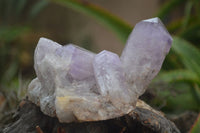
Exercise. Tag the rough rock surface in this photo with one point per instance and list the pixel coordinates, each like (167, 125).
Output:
(74, 84)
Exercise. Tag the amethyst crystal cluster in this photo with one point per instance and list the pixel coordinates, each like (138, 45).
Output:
(74, 84)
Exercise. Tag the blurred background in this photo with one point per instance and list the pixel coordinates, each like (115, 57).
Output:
(175, 91)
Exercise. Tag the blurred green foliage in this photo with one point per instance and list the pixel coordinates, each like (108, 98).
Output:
(15, 22)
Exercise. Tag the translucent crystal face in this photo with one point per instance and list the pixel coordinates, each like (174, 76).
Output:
(111, 81)
(74, 84)
(80, 68)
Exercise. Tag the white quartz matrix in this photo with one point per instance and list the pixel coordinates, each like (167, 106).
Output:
(74, 84)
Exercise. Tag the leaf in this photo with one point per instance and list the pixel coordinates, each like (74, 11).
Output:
(188, 10)
(8, 34)
(184, 101)
(10, 73)
(9, 6)
(168, 7)
(178, 75)
(174, 25)
(37, 8)
(196, 126)
(190, 55)
(173, 98)
(196, 92)
(2, 9)
(121, 28)
(20, 5)
(191, 33)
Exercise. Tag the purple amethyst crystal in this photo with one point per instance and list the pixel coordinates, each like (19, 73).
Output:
(80, 68)
(74, 84)
(144, 53)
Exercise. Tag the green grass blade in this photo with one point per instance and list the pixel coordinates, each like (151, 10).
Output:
(168, 7)
(8, 9)
(174, 26)
(119, 27)
(191, 33)
(20, 5)
(190, 55)
(196, 92)
(178, 75)
(173, 98)
(9, 33)
(188, 10)
(37, 8)
(181, 101)
(196, 126)
(10, 73)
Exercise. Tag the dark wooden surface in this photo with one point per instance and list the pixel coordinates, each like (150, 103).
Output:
(29, 119)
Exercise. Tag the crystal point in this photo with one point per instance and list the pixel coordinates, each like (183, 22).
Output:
(153, 20)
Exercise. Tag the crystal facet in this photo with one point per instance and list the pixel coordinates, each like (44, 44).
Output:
(74, 84)
(111, 82)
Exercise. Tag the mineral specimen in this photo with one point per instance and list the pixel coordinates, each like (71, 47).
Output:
(74, 84)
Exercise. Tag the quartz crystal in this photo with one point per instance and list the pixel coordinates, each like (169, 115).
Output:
(145, 52)
(74, 84)
(111, 82)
